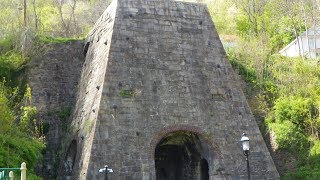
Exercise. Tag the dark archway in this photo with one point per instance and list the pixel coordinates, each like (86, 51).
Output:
(85, 49)
(178, 157)
(70, 157)
(204, 170)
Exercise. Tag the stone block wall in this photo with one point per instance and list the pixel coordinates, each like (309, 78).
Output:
(90, 88)
(161, 68)
(53, 77)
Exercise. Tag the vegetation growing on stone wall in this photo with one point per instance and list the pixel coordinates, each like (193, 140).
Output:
(21, 137)
(128, 93)
(64, 113)
(11, 63)
(21, 134)
(54, 40)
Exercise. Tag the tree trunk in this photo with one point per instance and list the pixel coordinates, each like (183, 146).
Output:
(305, 20)
(73, 17)
(25, 13)
(297, 36)
(314, 16)
(36, 19)
(64, 24)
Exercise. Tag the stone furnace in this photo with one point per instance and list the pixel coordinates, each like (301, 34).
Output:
(158, 99)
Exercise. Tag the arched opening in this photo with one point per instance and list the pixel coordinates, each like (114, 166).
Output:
(204, 170)
(179, 156)
(70, 157)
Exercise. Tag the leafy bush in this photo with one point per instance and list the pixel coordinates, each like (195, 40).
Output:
(294, 109)
(270, 91)
(11, 62)
(17, 148)
(289, 137)
(7, 43)
(248, 74)
(26, 123)
(20, 139)
(309, 168)
(243, 27)
(304, 173)
(315, 154)
(6, 115)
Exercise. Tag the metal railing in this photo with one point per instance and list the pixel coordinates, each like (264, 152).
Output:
(7, 173)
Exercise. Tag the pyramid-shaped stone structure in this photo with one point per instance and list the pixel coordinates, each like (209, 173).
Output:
(158, 99)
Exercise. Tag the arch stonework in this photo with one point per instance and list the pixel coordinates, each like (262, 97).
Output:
(183, 127)
(212, 154)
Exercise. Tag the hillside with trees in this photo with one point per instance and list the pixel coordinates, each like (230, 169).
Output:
(26, 26)
(283, 93)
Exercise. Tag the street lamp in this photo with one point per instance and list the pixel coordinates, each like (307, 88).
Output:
(106, 170)
(245, 147)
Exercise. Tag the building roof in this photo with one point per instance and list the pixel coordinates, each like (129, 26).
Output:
(313, 31)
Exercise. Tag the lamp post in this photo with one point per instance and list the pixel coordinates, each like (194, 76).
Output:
(245, 147)
(106, 170)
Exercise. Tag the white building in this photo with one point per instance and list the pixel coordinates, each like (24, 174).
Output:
(309, 43)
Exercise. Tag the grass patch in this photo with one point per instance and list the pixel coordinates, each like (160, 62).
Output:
(55, 40)
(249, 75)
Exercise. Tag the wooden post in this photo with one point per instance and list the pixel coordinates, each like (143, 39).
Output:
(23, 171)
(11, 176)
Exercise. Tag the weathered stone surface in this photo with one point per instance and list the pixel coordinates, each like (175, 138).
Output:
(53, 77)
(155, 67)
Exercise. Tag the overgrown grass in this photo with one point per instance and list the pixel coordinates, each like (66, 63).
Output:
(55, 40)
(248, 74)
